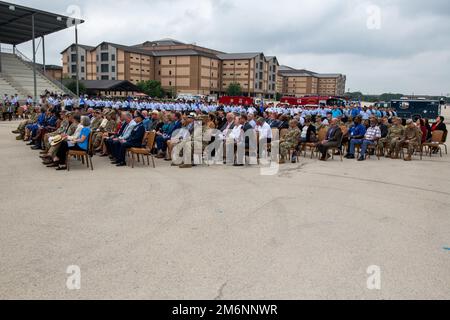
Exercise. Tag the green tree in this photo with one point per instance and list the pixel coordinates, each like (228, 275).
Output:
(72, 86)
(234, 89)
(152, 88)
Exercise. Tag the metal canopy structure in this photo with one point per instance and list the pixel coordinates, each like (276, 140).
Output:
(16, 23)
(19, 24)
(95, 86)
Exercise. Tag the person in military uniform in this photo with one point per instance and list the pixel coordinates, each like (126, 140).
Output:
(290, 141)
(34, 113)
(74, 121)
(108, 125)
(96, 120)
(65, 123)
(411, 139)
(394, 137)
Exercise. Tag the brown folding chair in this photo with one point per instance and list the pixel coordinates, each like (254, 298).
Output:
(321, 136)
(150, 137)
(82, 155)
(437, 139)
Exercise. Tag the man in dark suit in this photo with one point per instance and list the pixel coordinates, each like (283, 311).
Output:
(133, 141)
(333, 139)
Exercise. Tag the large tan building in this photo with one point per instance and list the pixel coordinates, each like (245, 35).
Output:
(188, 68)
(255, 73)
(180, 67)
(298, 83)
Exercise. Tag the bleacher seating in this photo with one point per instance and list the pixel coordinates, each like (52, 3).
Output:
(17, 77)
(7, 88)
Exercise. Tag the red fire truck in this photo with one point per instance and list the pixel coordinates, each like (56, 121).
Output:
(243, 101)
(314, 101)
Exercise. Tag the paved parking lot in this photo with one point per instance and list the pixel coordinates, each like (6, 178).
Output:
(310, 231)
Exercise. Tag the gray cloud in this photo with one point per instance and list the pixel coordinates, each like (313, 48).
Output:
(409, 53)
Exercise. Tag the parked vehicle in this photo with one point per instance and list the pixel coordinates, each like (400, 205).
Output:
(416, 109)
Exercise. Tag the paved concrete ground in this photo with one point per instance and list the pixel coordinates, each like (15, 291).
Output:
(309, 232)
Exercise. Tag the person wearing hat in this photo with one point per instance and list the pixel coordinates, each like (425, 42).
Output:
(394, 138)
(411, 139)
(96, 120)
(80, 143)
(63, 127)
(133, 141)
(72, 132)
(155, 119)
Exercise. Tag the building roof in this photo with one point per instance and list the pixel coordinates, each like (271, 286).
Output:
(161, 42)
(283, 68)
(49, 66)
(329, 75)
(238, 56)
(108, 85)
(126, 48)
(16, 20)
(296, 73)
(85, 47)
(184, 52)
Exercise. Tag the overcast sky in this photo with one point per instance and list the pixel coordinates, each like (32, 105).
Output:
(381, 45)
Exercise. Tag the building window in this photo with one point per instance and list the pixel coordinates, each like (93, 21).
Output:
(170, 61)
(104, 46)
(113, 57)
(170, 73)
(170, 83)
(73, 58)
(159, 72)
(97, 69)
(82, 69)
(82, 58)
(74, 68)
(113, 69)
(105, 56)
(105, 77)
(113, 78)
(105, 68)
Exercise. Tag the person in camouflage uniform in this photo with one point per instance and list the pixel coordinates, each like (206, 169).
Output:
(53, 150)
(34, 113)
(290, 141)
(411, 139)
(394, 138)
(109, 126)
(96, 120)
(65, 123)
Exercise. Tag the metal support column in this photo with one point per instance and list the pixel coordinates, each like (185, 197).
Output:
(77, 57)
(43, 54)
(0, 56)
(34, 60)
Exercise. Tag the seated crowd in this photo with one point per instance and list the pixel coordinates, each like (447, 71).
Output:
(110, 132)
